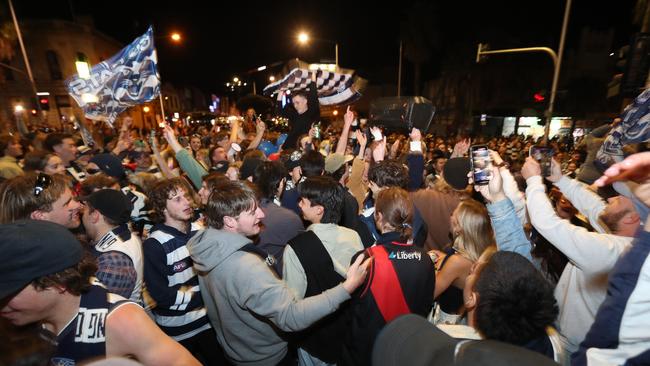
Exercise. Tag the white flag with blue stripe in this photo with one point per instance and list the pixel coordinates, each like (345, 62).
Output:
(127, 79)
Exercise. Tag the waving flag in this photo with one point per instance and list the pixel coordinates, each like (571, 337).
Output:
(334, 88)
(127, 79)
(633, 129)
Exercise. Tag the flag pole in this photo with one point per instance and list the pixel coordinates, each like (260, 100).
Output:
(162, 106)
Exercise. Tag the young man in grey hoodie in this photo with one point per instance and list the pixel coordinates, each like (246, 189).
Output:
(247, 304)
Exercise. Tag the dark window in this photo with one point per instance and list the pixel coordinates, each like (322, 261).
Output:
(53, 65)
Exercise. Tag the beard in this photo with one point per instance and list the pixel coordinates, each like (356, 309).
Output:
(611, 219)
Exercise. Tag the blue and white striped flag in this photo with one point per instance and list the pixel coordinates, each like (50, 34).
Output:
(127, 79)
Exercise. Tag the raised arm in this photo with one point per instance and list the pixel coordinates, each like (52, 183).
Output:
(582, 198)
(348, 118)
(260, 127)
(508, 230)
(195, 171)
(591, 252)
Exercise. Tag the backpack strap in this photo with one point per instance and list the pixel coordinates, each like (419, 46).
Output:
(269, 259)
(385, 287)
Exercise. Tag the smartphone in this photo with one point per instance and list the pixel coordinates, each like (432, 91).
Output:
(543, 155)
(481, 164)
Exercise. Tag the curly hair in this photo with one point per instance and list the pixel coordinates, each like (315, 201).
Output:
(389, 173)
(75, 279)
(515, 303)
(324, 191)
(161, 192)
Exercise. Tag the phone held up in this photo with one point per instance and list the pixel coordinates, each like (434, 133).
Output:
(543, 155)
(481, 164)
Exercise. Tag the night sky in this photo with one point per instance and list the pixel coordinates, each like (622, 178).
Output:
(223, 39)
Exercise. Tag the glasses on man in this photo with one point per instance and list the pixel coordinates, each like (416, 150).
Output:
(42, 182)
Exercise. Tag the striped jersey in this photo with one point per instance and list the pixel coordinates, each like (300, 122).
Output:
(171, 283)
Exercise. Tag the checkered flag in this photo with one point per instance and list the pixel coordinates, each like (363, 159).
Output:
(333, 88)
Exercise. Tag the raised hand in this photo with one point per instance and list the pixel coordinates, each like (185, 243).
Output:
(530, 168)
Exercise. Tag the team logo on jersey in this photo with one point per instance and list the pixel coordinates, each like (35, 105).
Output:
(401, 254)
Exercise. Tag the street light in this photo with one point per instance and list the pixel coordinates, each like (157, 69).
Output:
(176, 37)
(18, 108)
(303, 39)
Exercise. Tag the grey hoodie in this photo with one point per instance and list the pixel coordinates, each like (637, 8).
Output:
(245, 300)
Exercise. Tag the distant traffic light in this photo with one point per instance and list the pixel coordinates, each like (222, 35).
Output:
(44, 102)
(539, 97)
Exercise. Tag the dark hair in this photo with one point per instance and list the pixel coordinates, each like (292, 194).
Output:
(396, 209)
(36, 160)
(5, 141)
(95, 182)
(515, 303)
(389, 173)
(229, 198)
(18, 199)
(159, 195)
(75, 279)
(267, 178)
(213, 179)
(324, 191)
(54, 139)
(339, 173)
(312, 164)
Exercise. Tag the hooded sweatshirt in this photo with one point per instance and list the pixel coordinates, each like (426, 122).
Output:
(247, 303)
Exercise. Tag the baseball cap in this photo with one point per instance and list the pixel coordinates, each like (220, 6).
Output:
(455, 173)
(335, 161)
(221, 166)
(34, 248)
(111, 203)
(109, 164)
(412, 340)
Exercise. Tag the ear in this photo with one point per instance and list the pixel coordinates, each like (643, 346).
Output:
(471, 301)
(632, 218)
(38, 215)
(229, 222)
(320, 210)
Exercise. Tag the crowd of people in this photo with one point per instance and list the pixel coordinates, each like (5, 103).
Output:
(216, 245)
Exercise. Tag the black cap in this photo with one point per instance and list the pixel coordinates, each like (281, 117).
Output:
(455, 173)
(412, 340)
(221, 166)
(109, 164)
(34, 248)
(110, 203)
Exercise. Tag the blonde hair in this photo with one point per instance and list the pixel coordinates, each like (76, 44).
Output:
(476, 232)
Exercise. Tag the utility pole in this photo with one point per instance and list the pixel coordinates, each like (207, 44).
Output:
(557, 60)
(25, 58)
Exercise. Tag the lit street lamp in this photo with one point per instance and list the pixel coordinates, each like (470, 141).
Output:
(303, 38)
(176, 37)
